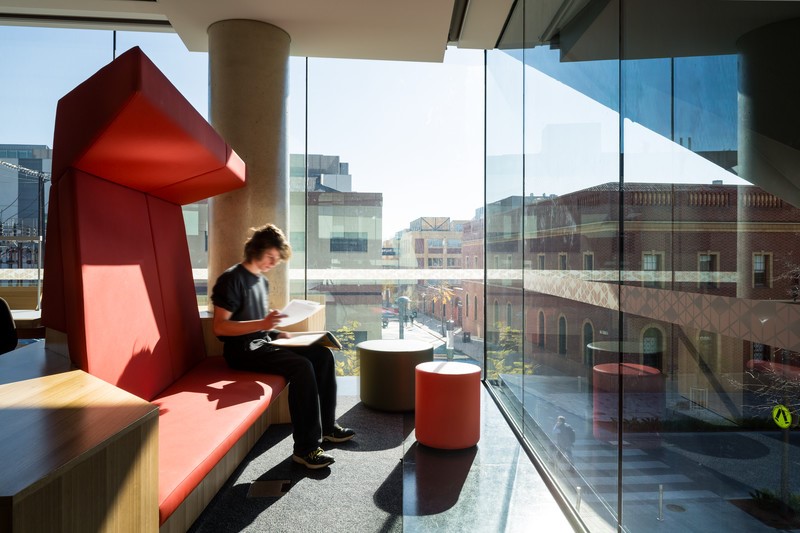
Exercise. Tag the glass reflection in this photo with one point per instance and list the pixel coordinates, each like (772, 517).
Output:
(660, 285)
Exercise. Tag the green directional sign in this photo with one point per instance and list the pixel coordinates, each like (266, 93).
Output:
(782, 416)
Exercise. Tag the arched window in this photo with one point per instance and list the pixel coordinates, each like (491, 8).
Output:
(466, 306)
(588, 338)
(509, 315)
(496, 312)
(707, 349)
(652, 347)
(541, 329)
(562, 335)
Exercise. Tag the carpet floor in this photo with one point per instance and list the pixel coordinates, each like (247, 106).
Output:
(361, 491)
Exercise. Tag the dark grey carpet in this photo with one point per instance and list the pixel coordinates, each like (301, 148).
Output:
(362, 491)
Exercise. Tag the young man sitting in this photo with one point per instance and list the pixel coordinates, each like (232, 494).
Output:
(245, 324)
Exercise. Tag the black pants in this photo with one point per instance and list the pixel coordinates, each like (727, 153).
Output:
(310, 372)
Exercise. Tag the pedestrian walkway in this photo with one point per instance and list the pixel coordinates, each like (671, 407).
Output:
(665, 486)
(429, 329)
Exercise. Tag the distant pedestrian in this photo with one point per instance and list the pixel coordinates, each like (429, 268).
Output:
(564, 437)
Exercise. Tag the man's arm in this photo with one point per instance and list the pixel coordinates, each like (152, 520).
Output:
(225, 327)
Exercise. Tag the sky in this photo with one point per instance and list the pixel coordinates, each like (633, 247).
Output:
(412, 131)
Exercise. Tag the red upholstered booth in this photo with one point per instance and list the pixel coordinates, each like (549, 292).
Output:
(129, 150)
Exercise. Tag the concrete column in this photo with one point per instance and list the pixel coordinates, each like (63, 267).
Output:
(769, 114)
(248, 76)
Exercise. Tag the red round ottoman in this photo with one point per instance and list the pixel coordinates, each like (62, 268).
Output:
(448, 404)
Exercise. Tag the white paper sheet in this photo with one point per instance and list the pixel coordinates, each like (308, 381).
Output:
(298, 310)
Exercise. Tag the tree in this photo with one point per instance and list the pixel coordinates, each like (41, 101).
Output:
(770, 384)
(346, 359)
(505, 358)
(443, 294)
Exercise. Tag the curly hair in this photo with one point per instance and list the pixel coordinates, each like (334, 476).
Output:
(264, 238)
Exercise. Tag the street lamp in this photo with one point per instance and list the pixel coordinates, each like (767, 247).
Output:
(449, 339)
(402, 306)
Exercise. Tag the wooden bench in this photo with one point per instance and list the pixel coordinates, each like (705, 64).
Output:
(79, 453)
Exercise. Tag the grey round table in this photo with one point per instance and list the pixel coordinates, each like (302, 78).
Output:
(387, 372)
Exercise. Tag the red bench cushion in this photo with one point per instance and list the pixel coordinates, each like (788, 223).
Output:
(201, 416)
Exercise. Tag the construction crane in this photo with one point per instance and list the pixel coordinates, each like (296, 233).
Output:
(42, 178)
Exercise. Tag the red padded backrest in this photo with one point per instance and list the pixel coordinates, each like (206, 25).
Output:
(53, 312)
(119, 329)
(128, 150)
(128, 124)
(174, 265)
(133, 317)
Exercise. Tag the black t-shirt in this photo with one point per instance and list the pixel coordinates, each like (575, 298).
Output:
(246, 296)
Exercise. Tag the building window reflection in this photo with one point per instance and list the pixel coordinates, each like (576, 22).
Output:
(562, 336)
(588, 338)
(707, 351)
(707, 266)
(540, 340)
(652, 348)
(652, 264)
(761, 269)
(588, 262)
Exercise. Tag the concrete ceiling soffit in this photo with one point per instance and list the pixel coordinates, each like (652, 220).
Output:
(412, 30)
(544, 20)
(483, 23)
(83, 13)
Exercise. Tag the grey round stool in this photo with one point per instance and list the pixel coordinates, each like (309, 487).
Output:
(387, 372)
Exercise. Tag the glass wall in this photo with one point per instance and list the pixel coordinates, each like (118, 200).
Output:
(649, 199)
(386, 164)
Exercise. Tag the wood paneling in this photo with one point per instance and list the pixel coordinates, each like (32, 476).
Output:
(32, 361)
(85, 456)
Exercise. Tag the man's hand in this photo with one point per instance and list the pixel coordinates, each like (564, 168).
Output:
(272, 319)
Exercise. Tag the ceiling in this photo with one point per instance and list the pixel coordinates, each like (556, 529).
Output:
(407, 30)
(420, 30)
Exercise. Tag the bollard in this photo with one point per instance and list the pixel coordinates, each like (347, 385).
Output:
(579, 490)
(660, 503)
